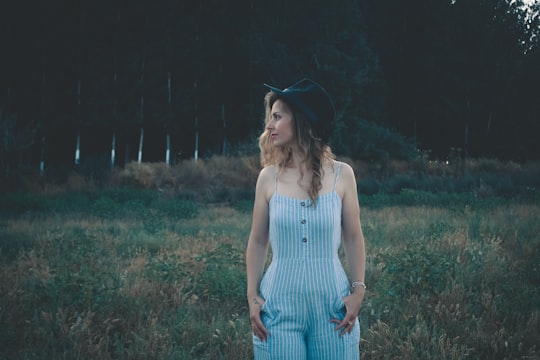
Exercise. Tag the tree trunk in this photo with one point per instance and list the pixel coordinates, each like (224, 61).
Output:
(127, 155)
(141, 138)
(223, 120)
(42, 121)
(78, 149)
(79, 74)
(415, 133)
(466, 150)
(115, 114)
(196, 152)
(79, 119)
(168, 136)
(224, 145)
(141, 141)
(42, 157)
(168, 151)
(115, 87)
(466, 140)
(4, 121)
(113, 150)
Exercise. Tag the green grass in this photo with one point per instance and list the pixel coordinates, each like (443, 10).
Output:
(129, 274)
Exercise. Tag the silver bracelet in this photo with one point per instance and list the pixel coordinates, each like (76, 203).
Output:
(356, 284)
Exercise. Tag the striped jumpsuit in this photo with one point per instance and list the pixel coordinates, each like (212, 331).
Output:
(305, 283)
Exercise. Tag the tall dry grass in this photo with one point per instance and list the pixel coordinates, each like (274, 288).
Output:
(445, 283)
(94, 288)
(226, 179)
(151, 266)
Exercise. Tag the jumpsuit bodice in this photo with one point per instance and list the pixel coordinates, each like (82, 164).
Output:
(305, 283)
(305, 240)
(300, 230)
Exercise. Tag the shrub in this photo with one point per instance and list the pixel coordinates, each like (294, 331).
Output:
(223, 279)
(106, 208)
(122, 195)
(115, 287)
(192, 174)
(373, 142)
(234, 172)
(396, 184)
(65, 202)
(368, 185)
(17, 203)
(244, 206)
(12, 243)
(177, 209)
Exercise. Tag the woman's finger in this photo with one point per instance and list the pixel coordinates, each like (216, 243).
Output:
(257, 325)
(345, 325)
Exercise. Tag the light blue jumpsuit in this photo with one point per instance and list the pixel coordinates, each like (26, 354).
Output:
(305, 284)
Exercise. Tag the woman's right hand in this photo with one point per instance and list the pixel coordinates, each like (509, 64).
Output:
(255, 306)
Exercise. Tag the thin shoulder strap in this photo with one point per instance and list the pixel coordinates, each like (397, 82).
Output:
(337, 174)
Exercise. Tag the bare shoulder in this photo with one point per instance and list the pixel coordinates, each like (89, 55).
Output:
(268, 173)
(347, 181)
(347, 171)
(265, 181)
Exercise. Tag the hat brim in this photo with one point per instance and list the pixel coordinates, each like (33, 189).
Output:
(290, 96)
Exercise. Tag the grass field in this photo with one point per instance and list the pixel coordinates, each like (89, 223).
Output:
(134, 274)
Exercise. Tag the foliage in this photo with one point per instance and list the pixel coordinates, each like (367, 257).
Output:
(97, 293)
(432, 280)
(143, 283)
(453, 68)
(140, 204)
(429, 71)
(175, 189)
(474, 177)
(223, 278)
(372, 142)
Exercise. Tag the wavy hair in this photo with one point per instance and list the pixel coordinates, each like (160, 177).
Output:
(315, 152)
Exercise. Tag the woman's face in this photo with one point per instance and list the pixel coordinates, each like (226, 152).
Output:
(281, 124)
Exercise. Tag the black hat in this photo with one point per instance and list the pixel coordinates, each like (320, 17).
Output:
(313, 100)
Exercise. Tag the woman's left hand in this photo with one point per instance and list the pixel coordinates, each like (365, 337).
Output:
(352, 302)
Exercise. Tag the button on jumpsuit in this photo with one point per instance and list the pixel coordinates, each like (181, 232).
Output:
(305, 284)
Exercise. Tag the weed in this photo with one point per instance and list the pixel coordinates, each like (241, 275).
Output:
(129, 274)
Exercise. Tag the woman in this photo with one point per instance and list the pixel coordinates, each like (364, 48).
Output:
(304, 307)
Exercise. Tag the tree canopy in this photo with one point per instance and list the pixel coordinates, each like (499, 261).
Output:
(432, 75)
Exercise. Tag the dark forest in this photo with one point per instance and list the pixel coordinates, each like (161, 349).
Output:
(171, 80)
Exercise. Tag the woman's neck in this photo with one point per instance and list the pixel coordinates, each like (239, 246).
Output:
(296, 160)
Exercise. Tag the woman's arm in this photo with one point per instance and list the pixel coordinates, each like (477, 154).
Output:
(257, 247)
(353, 243)
(353, 237)
(256, 252)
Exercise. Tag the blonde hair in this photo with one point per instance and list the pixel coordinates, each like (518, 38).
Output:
(315, 152)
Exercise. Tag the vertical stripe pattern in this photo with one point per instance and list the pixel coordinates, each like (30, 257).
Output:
(305, 283)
